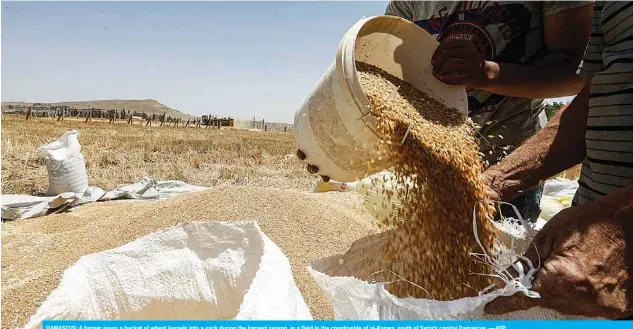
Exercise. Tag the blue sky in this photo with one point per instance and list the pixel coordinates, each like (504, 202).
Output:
(242, 59)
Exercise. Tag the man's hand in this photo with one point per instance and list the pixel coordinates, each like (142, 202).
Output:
(499, 188)
(491, 192)
(458, 62)
(585, 265)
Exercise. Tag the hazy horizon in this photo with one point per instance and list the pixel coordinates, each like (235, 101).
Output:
(239, 59)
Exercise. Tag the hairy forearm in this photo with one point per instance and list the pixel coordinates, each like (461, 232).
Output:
(616, 206)
(551, 76)
(530, 82)
(621, 203)
(620, 200)
(558, 146)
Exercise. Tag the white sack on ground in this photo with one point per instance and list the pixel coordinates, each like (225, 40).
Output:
(148, 189)
(557, 195)
(65, 164)
(203, 270)
(25, 206)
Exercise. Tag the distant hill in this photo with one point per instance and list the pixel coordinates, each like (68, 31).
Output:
(148, 106)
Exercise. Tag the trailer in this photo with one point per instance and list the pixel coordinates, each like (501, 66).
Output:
(208, 120)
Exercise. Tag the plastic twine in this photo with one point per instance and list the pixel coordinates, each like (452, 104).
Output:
(406, 134)
(523, 282)
(400, 279)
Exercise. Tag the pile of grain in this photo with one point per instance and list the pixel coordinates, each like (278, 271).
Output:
(434, 147)
(306, 226)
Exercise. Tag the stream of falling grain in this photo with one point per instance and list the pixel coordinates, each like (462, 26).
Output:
(433, 147)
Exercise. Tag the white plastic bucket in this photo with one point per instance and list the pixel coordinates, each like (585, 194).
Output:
(333, 125)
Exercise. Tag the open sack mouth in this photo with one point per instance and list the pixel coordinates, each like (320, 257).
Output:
(359, 283)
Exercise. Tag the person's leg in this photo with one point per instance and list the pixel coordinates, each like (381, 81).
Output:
(528, 203)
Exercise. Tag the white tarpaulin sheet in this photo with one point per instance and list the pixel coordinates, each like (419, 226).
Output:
(17, 206)
(199, 271)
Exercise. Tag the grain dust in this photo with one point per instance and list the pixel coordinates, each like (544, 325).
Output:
(434, 147)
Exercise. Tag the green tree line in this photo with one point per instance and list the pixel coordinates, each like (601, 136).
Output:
(551, 109)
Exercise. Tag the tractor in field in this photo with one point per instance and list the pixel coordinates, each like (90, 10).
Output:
(208, 120)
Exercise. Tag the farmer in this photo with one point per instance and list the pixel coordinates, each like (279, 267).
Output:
(585, 251)
(510, 55)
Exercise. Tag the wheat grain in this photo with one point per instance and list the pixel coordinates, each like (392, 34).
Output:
(306, 226)
(432, 234)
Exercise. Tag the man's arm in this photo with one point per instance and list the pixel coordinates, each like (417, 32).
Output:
(558, 146)
(566, 34)
(598, 233)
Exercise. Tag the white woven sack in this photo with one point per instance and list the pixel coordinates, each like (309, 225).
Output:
(203, 270)
(557, 195)
(559, 187)
(65, 164)
(359, 294)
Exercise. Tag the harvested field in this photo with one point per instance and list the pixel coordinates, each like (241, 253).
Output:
(121, 154)
(305, 226)
(571, 173)
(37, 251)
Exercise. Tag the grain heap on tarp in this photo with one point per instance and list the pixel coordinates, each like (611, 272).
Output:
(433, 147)
(304, 225)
